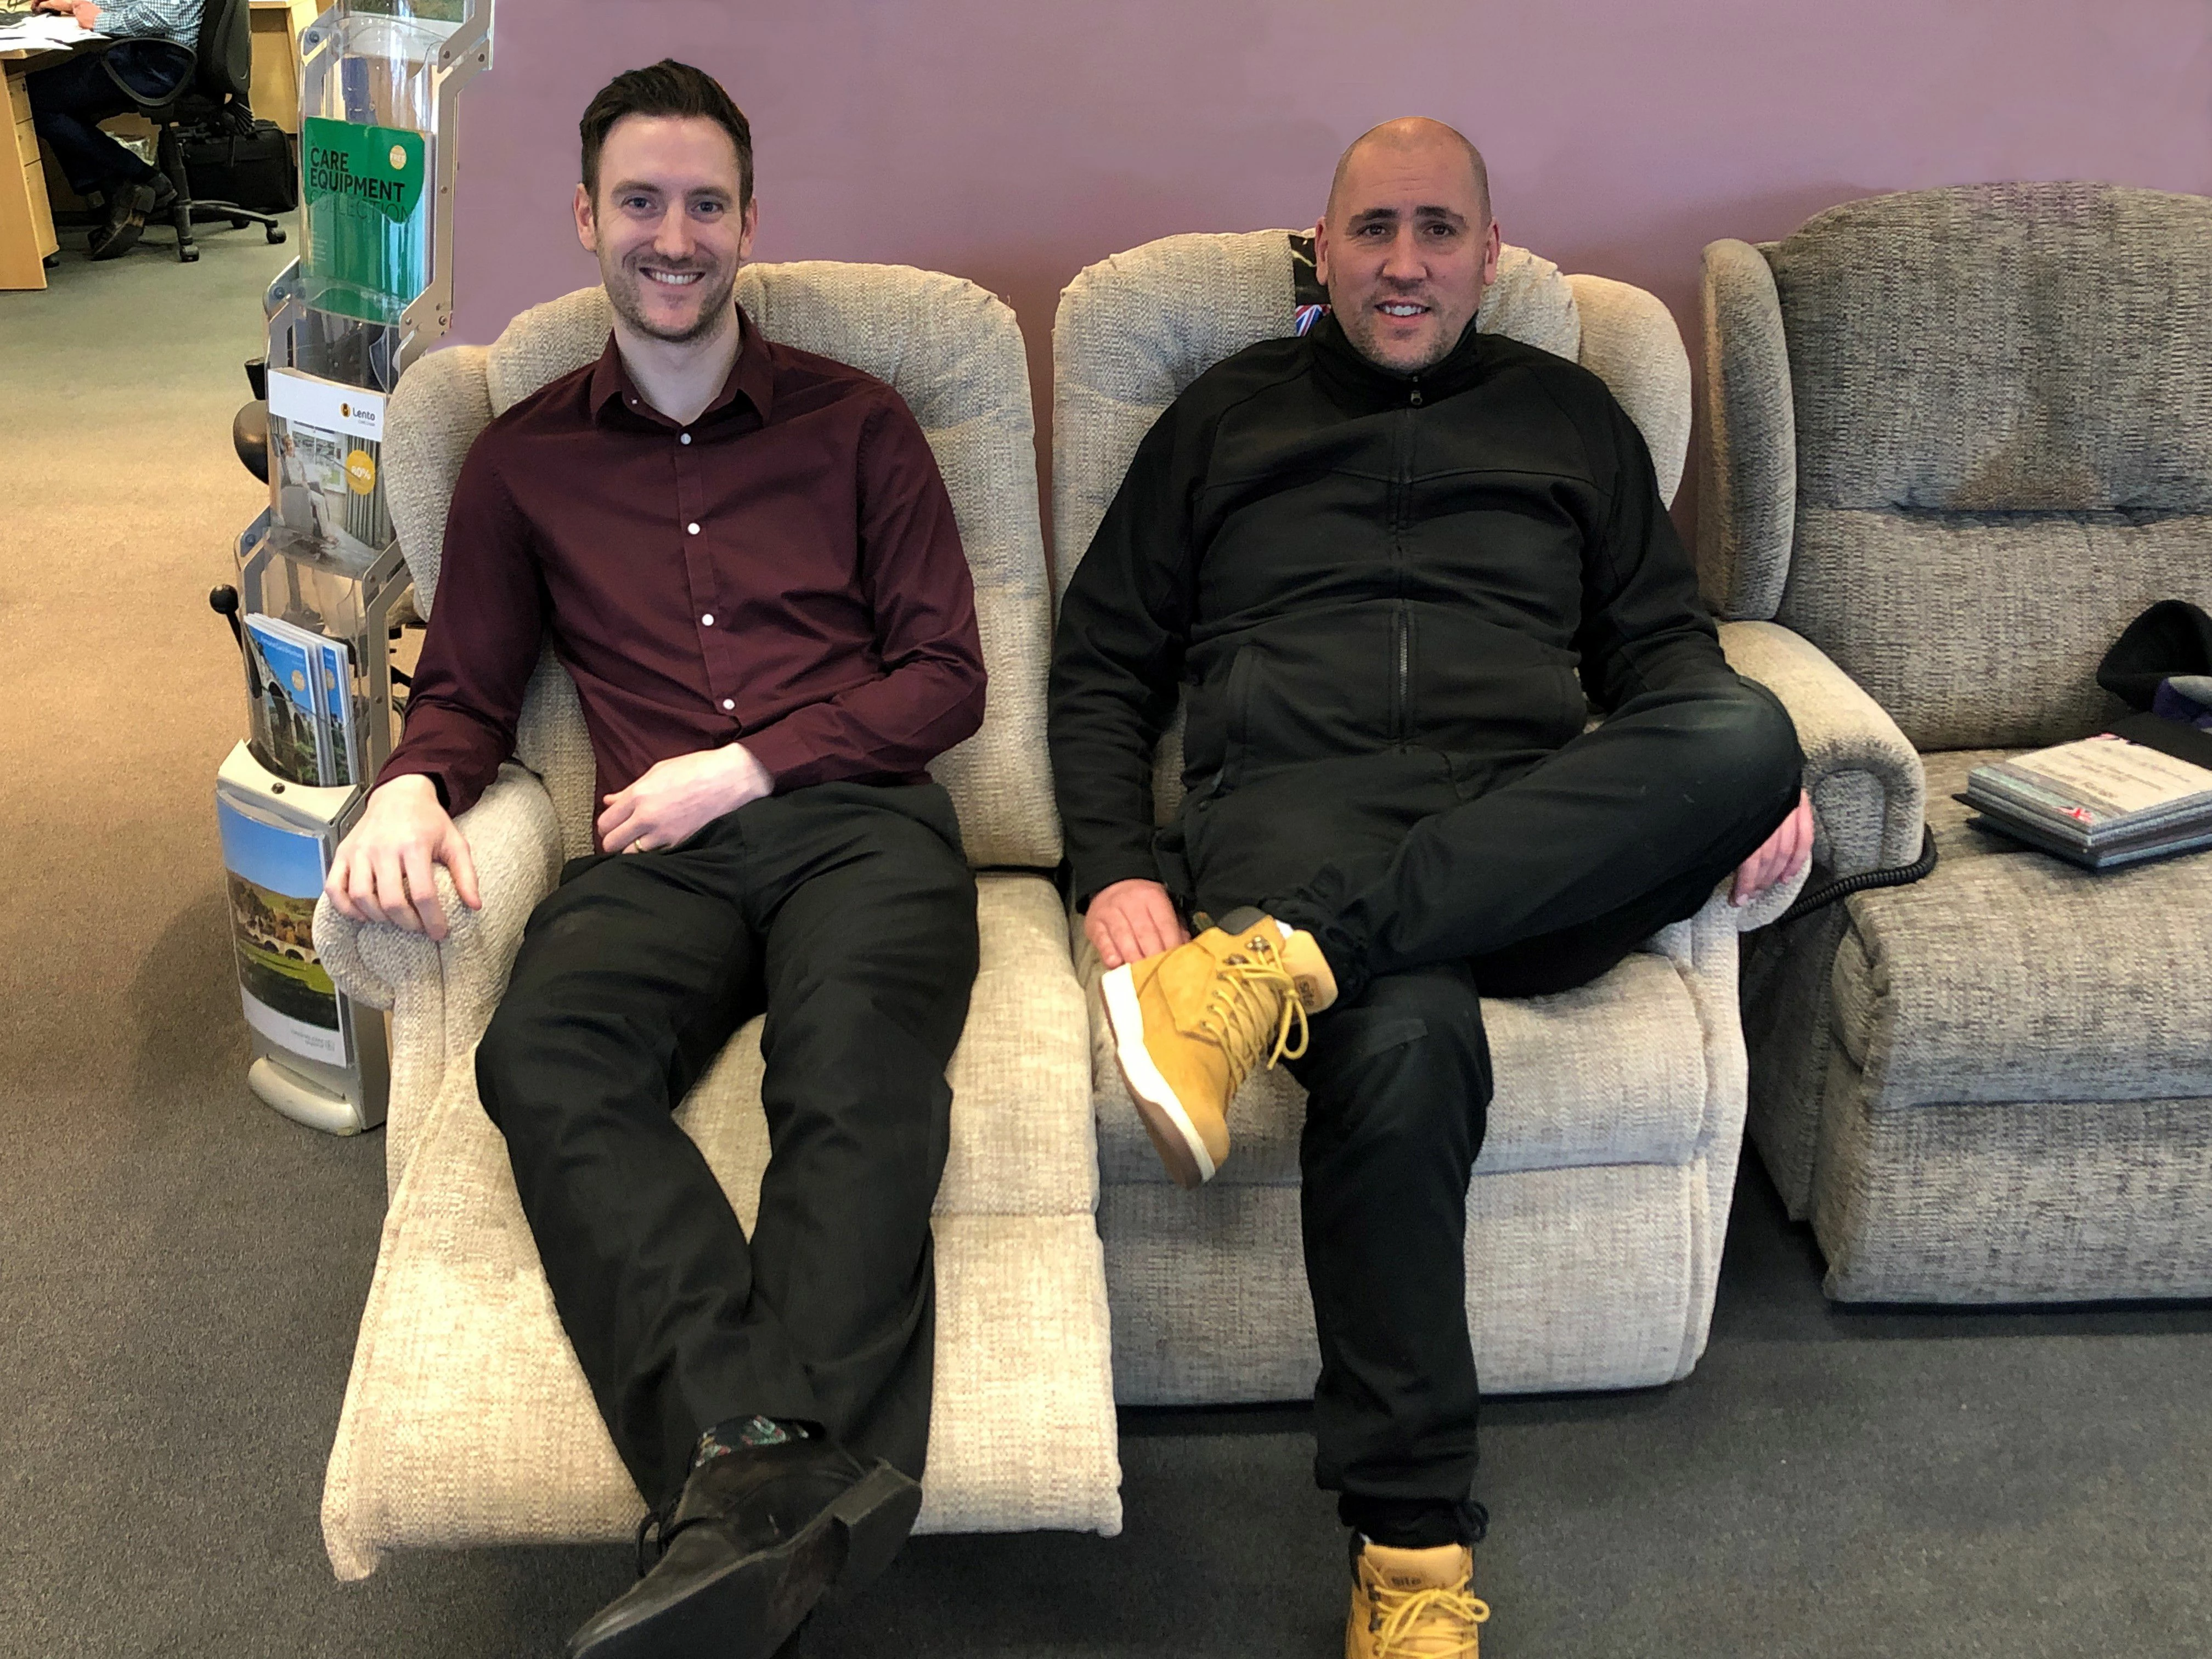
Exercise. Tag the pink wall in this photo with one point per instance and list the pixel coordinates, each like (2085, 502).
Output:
(1014, 144)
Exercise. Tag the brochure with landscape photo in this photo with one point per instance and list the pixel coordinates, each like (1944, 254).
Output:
(335, 665)
(274, 876)
(326, 461)
(288, 712)
(305, 728)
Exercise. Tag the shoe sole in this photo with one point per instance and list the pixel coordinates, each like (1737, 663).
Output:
(1174, 1136)
(750, 1609)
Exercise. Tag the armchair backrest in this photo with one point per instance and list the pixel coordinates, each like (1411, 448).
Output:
(1963, 436)
(952, 351)
(1134, 329)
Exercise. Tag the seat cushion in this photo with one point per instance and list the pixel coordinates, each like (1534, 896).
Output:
(463, 1376)
(1592, 1277)
(2012, 975)
(1613, 1073)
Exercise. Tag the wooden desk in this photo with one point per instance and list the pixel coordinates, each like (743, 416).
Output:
(275, 88)
(26, 222)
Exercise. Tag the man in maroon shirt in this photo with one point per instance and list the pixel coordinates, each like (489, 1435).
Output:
(744, 556)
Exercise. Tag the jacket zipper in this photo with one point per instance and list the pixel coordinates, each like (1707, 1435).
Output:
(1402, 625)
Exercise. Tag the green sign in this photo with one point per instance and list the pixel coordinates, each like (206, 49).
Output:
(367, 236)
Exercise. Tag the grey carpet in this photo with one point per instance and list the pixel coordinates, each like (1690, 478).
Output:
(180, 1269)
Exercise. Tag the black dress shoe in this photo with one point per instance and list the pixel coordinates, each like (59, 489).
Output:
(128, 204)
(756, 1538)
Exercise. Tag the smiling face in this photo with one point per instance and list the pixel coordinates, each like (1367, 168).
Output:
(1407, 245)
(667, 225)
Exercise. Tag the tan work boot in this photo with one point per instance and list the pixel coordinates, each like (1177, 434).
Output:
(1413, 1604)
(1190, 1023)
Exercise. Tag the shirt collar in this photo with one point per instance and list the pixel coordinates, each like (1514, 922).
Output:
(752, 377)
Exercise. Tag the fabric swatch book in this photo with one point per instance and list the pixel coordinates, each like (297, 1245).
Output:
(2103, 802)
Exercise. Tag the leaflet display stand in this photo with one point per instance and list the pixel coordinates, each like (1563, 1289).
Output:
(320, 579)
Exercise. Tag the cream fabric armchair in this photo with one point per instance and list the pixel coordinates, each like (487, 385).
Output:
(1598, 1207)
(1959, 438)
(467, 1420)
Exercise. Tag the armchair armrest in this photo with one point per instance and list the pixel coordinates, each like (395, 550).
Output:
(441, 995)
(1869, 794)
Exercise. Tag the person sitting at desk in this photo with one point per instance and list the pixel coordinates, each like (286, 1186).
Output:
(151, 58)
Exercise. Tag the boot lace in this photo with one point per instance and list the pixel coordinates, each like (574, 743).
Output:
(1236, 1015)
(654, 1533)
(1412, 1624)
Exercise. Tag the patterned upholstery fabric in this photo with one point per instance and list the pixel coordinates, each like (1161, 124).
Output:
(2003, 408)
(462, 1378)
(1597, 1210)
(1991, 407)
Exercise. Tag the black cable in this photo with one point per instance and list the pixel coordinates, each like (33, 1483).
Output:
(1899, 875)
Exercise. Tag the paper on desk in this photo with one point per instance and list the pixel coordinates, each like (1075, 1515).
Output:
(45, 32)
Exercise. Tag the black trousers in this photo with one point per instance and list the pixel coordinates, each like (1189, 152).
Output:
(847, 912)
(70, 101)
(1431, 880)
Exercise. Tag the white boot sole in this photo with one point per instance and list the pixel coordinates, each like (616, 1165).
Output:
(1176, 1139)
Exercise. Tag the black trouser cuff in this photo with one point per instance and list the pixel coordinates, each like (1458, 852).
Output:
(1414, 1523)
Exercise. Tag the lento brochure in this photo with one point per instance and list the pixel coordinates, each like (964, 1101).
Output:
(275, 876)
(367, 217)
(301, 711)
(326, 454)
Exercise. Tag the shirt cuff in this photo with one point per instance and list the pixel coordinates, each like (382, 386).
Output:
(782, 754)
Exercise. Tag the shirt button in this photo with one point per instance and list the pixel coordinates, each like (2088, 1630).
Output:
(729, 702)
(706, 621)
(691, 529)
(682, 437)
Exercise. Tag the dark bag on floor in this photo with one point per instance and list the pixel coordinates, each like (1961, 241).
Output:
(253, 168)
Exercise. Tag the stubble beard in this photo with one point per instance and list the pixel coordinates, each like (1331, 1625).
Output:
(1365, 332)
(624, 287)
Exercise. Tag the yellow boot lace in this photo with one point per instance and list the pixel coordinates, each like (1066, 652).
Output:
(1237, 1017)
(1437, 1622)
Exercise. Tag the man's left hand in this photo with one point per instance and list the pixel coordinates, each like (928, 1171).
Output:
(1781, 858)
(679, 796)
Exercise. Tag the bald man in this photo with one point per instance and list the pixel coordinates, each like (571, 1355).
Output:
(1392, 563)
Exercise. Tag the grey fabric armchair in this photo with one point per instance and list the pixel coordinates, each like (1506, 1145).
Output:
(1597, 1209)
(1958, 438)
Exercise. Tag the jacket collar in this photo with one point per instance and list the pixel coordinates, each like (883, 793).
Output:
(751, 377)
(1356, 381)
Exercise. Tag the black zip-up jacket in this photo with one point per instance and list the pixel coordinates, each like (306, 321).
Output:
(1336, 560)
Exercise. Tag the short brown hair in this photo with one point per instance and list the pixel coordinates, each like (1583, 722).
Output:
(667, 88)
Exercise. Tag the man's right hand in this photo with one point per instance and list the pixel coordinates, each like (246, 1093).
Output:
(382, 871)
(1131, 921)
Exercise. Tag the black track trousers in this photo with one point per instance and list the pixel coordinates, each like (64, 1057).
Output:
(1429, 884)
(847, 913)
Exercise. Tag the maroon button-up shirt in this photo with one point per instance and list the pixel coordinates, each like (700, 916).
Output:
(784, 571)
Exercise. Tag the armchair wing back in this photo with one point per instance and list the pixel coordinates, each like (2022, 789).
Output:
(1984, 414)
(946, 347)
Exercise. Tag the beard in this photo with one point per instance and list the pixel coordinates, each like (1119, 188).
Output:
(1403, 357)
(625, 292)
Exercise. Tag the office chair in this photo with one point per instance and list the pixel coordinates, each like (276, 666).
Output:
(213, 92)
